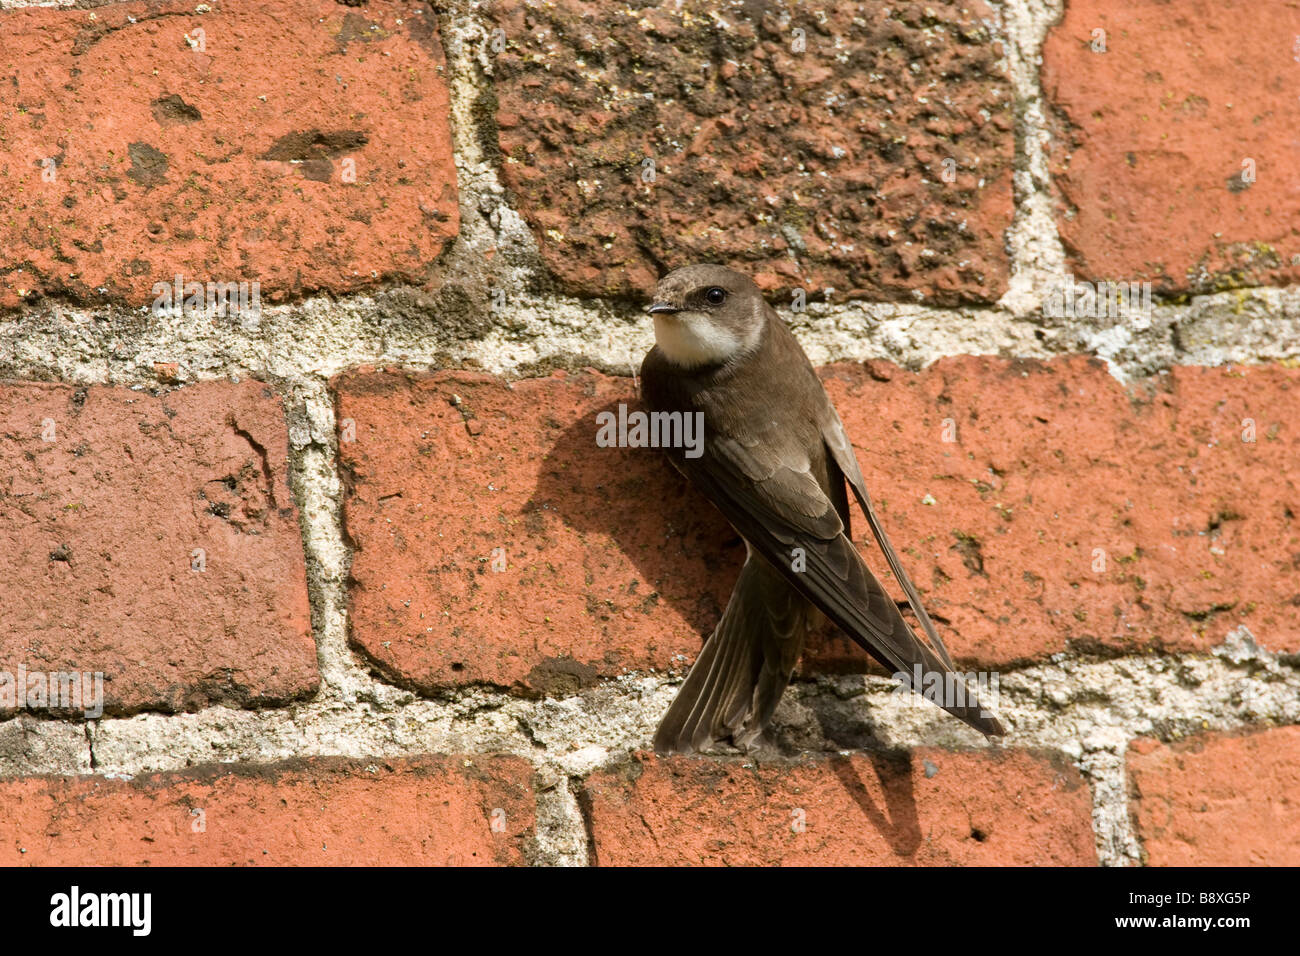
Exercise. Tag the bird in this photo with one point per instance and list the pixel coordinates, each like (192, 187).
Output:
(778, 464)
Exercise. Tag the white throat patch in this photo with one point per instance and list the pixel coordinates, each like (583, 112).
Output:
(692, 338)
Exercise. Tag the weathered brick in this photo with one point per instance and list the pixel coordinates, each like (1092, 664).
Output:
(611, 563)
(211, 145)
(461, 811)
(614, 563)
(1218, 800)
(828, 167)
(932, 808)
(102, 523)
(1152, 135)
(1057, 468)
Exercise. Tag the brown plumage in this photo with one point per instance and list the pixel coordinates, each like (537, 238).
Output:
(775, 463)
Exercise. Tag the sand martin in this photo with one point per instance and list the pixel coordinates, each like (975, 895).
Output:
(775, 462)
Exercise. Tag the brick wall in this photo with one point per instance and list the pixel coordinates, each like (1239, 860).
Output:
(356, 581)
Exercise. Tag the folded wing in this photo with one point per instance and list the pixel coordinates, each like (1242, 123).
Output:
(767, 490)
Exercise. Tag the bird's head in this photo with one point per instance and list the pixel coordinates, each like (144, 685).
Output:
(706, 315)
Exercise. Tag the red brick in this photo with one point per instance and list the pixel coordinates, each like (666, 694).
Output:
(934, 808)
(100, 526)
(1218, 800)
(324, 812)
(614, 563)
(812, 169)
(1153, 132)
(1055, 460)
(175, 160)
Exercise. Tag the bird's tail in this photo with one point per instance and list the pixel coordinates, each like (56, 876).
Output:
(734, 685)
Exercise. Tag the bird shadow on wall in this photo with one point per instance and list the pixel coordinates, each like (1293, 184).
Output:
(649, 537)
(897, 823)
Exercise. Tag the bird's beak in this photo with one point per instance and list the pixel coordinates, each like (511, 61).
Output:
(662, 307)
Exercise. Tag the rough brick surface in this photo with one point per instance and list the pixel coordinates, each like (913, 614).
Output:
(1217, 800)
(821, 168)
(101, 523)
(1153, 133)
(614, 563)
(593, 584)
(219, 155)
(1072, 513)
(462, 811)
(932, 808)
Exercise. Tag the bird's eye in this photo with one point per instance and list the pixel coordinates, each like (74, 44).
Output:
(715, 296)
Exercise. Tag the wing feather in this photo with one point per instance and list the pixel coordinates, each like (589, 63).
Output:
(779, 513)
(841, 449)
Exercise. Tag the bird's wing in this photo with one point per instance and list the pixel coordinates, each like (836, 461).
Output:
(841, 449)
(767, 490)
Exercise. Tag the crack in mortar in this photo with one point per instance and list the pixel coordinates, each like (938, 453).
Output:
(1086, 709)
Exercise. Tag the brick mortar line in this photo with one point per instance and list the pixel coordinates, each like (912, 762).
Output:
(319, 337)
(1033, 242)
